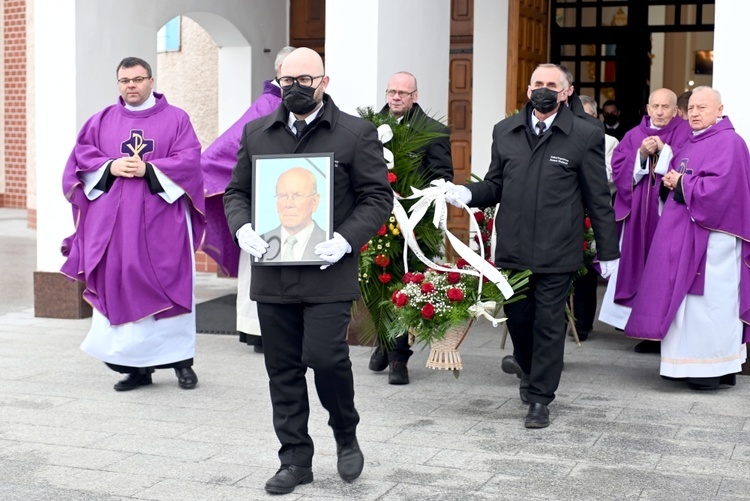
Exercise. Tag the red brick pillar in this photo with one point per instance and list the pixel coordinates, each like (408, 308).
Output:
(15, 103)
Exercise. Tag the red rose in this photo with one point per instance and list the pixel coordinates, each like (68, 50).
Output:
(382, 231)
(490, 223)
(417, 278)
(455, 294)
(427, 287)
(394, 295)
(587, 223)
(385, 278)
(479, 216)
(407, 278)
(363, 248)
(401, 300)
(485, 236)
(428, 311)
(585, 245)
(392, 177)
(462, 263)
(454, 277)
(382, 260)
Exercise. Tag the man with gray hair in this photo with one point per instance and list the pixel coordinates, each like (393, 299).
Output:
(638, 164)
(217, 162)
(695, 291)
(544, 159)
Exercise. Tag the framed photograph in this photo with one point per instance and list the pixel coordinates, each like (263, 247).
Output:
(292, 206)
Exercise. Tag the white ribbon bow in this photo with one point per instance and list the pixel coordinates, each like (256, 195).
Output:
(435, 194)
(483, 309)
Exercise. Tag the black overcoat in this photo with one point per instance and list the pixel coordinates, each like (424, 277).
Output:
(542, 186)
(436, 155)
(362, 199)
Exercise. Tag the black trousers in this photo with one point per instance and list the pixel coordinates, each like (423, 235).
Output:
(295, 337)
(584, 300)
(124, 369)
(537, 328)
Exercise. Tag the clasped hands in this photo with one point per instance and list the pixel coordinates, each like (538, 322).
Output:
(128, 167)
(331, 251)
(650, 146)
(671, 179)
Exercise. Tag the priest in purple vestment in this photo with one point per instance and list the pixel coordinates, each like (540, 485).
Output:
(638, 164)
(217, 162)
(136, 189)
(695, 291)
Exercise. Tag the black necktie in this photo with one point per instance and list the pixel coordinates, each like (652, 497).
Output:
(540, 126)
(300, 126)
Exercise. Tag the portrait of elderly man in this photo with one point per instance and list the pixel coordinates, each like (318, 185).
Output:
(297, 198)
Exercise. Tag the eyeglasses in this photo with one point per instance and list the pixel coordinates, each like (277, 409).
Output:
(136, 80)
(295, 197)
(401, 93)
(302, 80)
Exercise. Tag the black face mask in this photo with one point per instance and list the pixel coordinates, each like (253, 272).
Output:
(543, 99)
(610, 119)
(299, 100)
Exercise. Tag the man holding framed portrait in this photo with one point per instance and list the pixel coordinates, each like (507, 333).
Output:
(304, 307)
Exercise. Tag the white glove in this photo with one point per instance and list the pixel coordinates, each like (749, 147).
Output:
(332, 250)
(250, 241)
(457, 194)
(608, 267)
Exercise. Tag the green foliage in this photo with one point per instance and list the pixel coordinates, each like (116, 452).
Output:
(381, 259)
(430, 303)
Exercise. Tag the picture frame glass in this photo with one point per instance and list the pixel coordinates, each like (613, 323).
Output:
(292, 207)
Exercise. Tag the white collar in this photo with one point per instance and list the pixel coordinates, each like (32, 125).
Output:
(312, 116)
(148, 103)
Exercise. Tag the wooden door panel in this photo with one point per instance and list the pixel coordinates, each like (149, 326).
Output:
(527, 47)
(307, 24)
(460, 106)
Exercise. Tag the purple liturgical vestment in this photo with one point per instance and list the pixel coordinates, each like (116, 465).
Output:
(637, 206)
(217, 163)
(131, 248)
(716, 188)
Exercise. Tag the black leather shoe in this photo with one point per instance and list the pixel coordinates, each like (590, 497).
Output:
(258, 348)
(538, 416)
(398, 373)
(523, 388)
(186, 378)
(351, 461)
(288, 477)
(509, 365)
(378, 360)
(133, 381)
(648, 346)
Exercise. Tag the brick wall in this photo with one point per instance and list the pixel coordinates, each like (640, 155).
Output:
(205, 263)
(14, 32)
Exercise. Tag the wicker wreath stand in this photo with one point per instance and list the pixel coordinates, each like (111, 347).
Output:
(444, 353)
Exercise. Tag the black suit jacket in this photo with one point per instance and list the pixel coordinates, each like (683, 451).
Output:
(436, 160)
(362, 198)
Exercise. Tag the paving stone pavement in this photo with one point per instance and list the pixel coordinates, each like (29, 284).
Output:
(619, 431)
